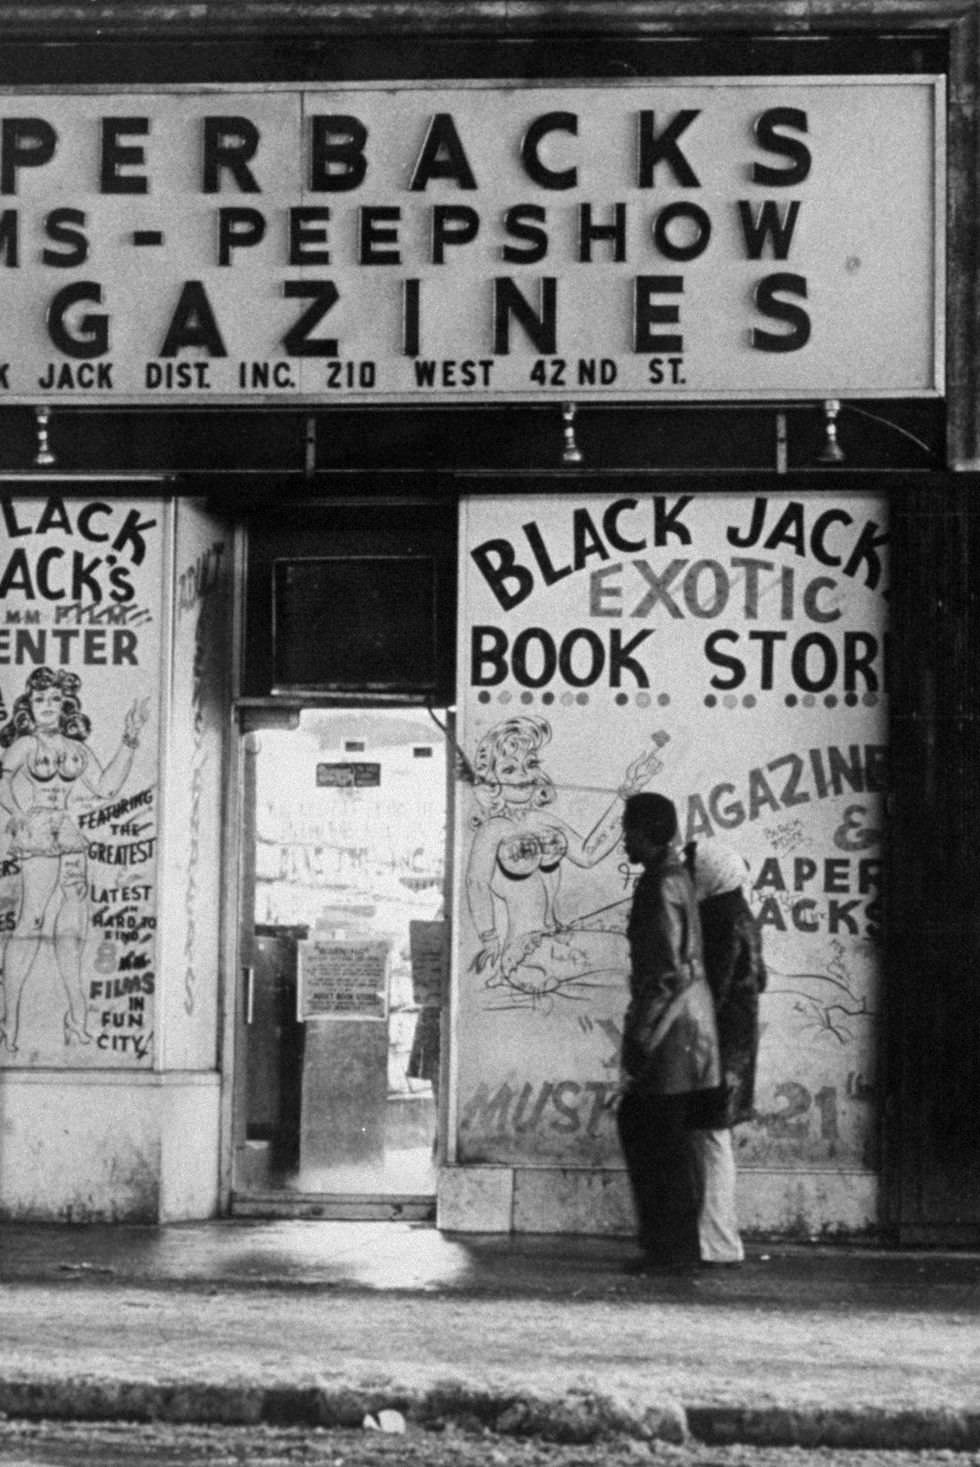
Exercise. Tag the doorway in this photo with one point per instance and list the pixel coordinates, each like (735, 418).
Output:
(342, 1032)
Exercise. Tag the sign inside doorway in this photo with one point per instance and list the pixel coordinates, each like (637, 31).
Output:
(343, 979)
(348, 776)
(638, 240)
(428, 954)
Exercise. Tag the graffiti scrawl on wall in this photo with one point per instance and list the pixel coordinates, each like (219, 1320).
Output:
(79, 598)
(199, 694)
(729, 651)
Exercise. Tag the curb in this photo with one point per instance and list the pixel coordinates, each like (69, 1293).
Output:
(577, 1416)
(856, 1427)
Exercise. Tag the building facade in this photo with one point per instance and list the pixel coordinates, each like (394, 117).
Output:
(424, 426)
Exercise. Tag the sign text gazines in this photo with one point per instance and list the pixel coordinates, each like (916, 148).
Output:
(638, 240)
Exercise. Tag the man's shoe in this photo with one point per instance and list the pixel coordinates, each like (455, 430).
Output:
(652, 1263)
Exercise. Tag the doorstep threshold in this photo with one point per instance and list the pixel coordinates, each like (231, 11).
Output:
(336, 1207)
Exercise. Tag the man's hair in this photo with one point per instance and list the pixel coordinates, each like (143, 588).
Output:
(654, 815)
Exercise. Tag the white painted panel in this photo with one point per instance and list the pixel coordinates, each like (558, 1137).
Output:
(80, 606)
(750, 630)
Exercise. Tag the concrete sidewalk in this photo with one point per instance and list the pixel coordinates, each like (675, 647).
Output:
(325, 1322)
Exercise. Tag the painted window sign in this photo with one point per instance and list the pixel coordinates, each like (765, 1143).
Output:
(515, 863)
(648, 241)
(79, 643)
(730, 652)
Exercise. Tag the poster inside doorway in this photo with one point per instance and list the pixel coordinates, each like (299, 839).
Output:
(728, 650)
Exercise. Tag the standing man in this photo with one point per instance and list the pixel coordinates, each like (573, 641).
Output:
(670, 1045)
(736, 975)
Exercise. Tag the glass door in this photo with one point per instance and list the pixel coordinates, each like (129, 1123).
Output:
(345, 958)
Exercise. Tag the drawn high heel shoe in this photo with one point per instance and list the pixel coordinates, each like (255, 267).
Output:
(75, 1032)
(5, 1041)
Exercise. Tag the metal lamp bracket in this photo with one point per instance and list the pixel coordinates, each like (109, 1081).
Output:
(571, 453)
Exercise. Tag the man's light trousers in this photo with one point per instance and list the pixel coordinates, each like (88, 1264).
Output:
(717, 1222)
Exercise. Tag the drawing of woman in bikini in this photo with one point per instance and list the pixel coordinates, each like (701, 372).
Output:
(514, 870)
(47, 766)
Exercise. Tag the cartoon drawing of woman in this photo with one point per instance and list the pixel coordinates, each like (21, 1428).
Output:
(48, 765)
(514, 870)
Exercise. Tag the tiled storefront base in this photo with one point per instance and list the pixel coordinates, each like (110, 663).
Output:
(108, 1147)
(793, 1204)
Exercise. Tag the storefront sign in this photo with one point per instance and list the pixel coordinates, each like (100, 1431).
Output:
(343, 979)
(645, 241)
(729, 651)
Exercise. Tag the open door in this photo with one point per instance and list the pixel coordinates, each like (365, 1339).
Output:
(344, 964)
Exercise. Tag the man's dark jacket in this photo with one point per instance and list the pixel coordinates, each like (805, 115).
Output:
(670, 1042)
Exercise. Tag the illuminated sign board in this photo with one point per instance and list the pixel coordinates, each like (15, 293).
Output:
(644, 241)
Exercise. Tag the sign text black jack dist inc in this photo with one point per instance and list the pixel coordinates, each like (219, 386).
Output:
(481, 240)
(638, 561)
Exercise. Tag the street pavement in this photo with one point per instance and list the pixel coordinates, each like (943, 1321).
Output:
(325, 1323)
